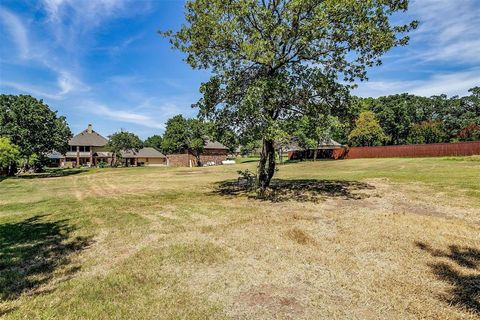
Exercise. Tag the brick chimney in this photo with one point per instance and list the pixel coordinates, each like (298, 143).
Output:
(90, 128)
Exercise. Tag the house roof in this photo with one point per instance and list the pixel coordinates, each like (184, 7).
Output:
(55, 155)
(147, 152)
(88, 137)
(214, 145)
(326, 143)
(103, 154)
(73, 154)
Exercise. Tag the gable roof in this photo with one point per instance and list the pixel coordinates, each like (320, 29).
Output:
(328, 143)
(88, 137)
(147, 152)
(214, 145)
(325, 143)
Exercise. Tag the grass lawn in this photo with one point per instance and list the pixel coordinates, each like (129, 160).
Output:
(360, 239)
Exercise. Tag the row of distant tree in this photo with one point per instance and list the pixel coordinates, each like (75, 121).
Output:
(29, 129)
(389, 120)
(410, 119)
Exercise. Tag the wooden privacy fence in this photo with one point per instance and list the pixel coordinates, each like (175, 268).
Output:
(402, 151)
(411, 151)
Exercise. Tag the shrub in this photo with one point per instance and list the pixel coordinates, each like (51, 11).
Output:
(427, 132)
(367, 131)
(470, 133)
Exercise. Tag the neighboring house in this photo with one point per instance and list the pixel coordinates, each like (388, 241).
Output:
(88, 148)
(327, 149)
(213, 154)
(147, 156)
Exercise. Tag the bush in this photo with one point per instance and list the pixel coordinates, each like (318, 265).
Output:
(367, 131)
(9, 156)
(102, 164)
(470, 133)
(427, 132)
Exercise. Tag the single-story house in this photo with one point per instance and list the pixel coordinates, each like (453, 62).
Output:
(327, 149)
(145, 157)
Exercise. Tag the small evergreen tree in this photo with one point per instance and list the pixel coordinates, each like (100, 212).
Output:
(367, 131)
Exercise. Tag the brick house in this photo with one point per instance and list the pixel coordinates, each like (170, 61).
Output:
(327, 149)
(144, 157)
(213, 154)
(88, 148)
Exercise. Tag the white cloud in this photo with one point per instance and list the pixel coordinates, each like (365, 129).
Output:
(33, 52)
(451, 84)
(91, 11)
(17, 31)
(68, 83)
(449, 30)
(122, 115)
(32, 90)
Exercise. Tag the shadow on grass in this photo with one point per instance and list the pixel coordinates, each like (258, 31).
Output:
(249, 160)
(465, 290)
(306, 190)
(51, 173)
(31, 251)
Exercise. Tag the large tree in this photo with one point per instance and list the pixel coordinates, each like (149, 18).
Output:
(367, 131)
(154, 141)
(32, 126)
(183, 135)
(175, 138)
(276, 59)
(123, 141)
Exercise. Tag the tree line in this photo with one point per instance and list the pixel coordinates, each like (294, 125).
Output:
(29, 129)
(409, 119)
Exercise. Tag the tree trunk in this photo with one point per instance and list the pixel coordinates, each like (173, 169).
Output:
(315, 153)
(197, 156)
(12, 169)
(266, 166)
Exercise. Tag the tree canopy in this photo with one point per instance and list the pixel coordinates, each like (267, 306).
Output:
(32, 126)
(405, 118)
(9, 155)
(367, 131)
(154, 141)
(185, 134)
(273, 60)
(123, 141)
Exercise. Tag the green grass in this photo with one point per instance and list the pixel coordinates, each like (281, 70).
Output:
(166, 243)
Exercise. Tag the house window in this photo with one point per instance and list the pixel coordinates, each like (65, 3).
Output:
(87, 148)
(73, 148)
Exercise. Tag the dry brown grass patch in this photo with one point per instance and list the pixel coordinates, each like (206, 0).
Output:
(196, 253)
(299, 236)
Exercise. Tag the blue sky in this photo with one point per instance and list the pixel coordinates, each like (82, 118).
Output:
(102, 61)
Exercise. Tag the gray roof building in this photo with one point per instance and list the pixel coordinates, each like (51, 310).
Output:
(214, 145)
(88, 137)
(146, 152)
